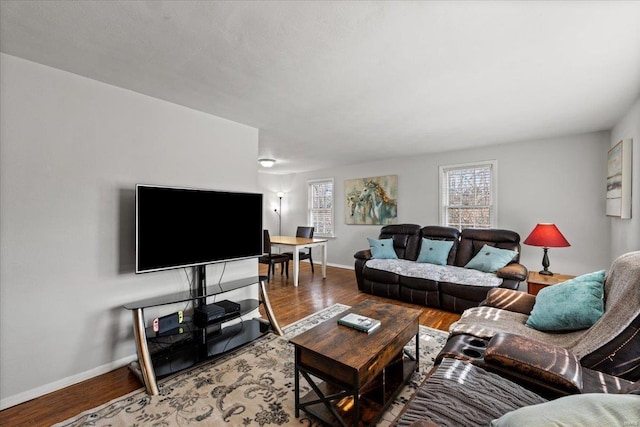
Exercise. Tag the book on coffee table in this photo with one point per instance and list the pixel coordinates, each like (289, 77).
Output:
(359, 322)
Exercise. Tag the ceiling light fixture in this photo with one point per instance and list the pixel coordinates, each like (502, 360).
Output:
(267, 163)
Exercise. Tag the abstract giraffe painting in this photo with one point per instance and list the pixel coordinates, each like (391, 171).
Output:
(371, 200)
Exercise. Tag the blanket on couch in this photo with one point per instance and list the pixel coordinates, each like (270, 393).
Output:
(461, 394)
(437, 273)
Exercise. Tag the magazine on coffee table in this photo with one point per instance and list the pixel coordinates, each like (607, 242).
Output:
(359, 322)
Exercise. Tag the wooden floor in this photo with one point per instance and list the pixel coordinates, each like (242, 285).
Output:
(289, 304)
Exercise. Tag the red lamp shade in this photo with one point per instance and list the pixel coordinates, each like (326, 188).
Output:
(547, 236)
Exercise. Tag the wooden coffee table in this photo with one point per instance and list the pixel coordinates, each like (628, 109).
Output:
(357, 375)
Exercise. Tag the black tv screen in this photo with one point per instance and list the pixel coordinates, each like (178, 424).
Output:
(181, 227)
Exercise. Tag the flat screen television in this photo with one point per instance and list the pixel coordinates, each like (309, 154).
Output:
(183, 227)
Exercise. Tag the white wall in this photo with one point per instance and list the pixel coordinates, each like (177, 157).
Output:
(72, 150)
(270, 185)
(625, 233)
(556, 180)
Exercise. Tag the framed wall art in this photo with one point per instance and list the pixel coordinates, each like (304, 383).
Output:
(371, 200)
(619, 180)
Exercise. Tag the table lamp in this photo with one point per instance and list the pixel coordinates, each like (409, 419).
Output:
(547, 236)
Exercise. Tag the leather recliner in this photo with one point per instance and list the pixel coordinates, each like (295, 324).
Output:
(611, 345)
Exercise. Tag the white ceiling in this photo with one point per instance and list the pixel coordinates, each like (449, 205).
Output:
(335, 83)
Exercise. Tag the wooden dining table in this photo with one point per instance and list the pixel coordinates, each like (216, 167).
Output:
(297, 243)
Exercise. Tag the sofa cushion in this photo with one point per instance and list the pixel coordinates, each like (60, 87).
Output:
(491, 259)
(592, 409)
(438, 232)
(473, 239)
(406, 239)
(437, 273)
(379, 275)
(485, 322)
(572, 305)
(382, 249)
(434, 251)
(466, 291)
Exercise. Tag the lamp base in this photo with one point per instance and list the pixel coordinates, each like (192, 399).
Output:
(545, 264)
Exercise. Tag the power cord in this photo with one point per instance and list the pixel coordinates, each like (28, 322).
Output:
(240, 329)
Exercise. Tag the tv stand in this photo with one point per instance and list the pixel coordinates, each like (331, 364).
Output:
(161, 354)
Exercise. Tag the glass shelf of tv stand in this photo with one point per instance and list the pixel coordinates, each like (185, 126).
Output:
(246, 306)
(203, 343)
(183, 296)
(171, 358)
(189, 345)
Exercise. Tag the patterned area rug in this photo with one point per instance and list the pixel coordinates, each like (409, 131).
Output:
(251, 386)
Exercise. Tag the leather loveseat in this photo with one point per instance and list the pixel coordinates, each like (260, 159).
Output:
(449, 295)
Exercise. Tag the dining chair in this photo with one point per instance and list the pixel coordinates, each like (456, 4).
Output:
(272, 259)
(308, 233)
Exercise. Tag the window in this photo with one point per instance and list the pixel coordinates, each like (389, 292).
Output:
(468, 195)
(321, 207)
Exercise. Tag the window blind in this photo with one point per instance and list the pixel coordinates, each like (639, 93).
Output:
(468, 196)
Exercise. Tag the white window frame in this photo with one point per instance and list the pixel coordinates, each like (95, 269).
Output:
(310, 183)
(444, 193)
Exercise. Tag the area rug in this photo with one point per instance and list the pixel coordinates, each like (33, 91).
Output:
(251, 386)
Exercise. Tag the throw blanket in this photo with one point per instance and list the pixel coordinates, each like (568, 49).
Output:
(461, 394)
(437, 273)
(622, 305)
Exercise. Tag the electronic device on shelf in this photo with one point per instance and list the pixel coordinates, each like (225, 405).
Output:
(211, 313)
(168, 322)
(182, 227)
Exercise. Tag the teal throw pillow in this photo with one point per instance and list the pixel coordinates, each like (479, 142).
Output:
(491, 259)
(435, 251)
(591, 409)
(382, 249)
(569, 306)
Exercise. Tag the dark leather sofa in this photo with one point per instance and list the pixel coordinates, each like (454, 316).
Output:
(454, 297)
(503, 373)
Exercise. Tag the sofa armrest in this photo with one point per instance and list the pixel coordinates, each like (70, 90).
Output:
(534, 362)
(364, 254)
(361, 258)
(508, 299)
(513, 271)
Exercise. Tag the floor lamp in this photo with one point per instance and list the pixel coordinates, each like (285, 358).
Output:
(279, 212)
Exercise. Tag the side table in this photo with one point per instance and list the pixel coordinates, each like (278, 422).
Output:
(537, 281)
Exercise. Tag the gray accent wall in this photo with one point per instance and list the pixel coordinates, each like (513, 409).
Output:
(72, 150)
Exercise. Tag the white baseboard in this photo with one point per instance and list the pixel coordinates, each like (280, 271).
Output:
(65, 382)
(330, 264)
(346, 267)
